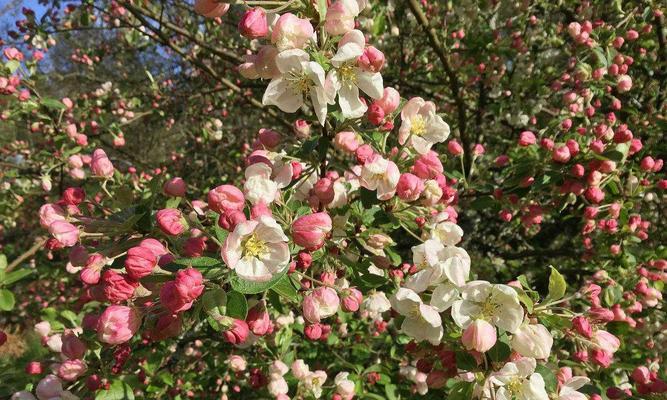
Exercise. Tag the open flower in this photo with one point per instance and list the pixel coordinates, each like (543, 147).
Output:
(497, 304)
(259, 187)
(421, 126)
(381, 175)
(257, 249)
(533, 340)
(569, 385)
(422, 321)
(437, 263)
(299, 78)
(518, 380)
(347, 77)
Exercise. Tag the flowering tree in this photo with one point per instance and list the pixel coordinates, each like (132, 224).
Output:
(327, 258)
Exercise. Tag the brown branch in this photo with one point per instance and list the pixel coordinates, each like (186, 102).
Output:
(39, 242)
(451, 76)
(160, 37)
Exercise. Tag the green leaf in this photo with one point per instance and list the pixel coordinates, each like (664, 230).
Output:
(173, 202)
(16, 276)
(525, 299)
(53, 104)
(461, 391)
(550, 381)
(12, 65)
(118, 390)
(3, 261)
(483, 203)
(197, 262)
(501, 350)
(249, 287)
(322, 9)
(237, 305)
(465, 361)
(390, 391)
(214, 302)
(379, 24)
(557, 285)
(7, 300)
(285, 288)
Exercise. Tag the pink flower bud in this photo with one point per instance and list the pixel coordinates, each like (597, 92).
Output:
(454, 148)
(229, 220)
(226, 198)
(624, 83)
(479, 336)
(527, 138)
(73, 347)
(237, 333)
(561, 154)
(258, 320)
(409, 187)
(253, 24)
(371, 60)
(70, 370)
(647, 164)
(313, 332)
(73, 196)
(428, 166)
(64, 232)
(641, 375)
(117, 287)
(582, 326)
(478, 150)
(189, 283)
(140, 262)
(170, 221)
(340, 17)
(33, 368)
(291, 32)
(309, 231)
(269, 138)
(100, 164)
(324, 190)
(574, 29)
(175, 187)
(351, 300)
(211, 8)
(594, 194)
(321, 303)
(547, 144)
(601, 357)
(347, 141)
(118, 324)
(375, 114)
(301, 129)
(390, 100)
(364, 153)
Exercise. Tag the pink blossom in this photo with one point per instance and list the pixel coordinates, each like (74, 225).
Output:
(309, 231)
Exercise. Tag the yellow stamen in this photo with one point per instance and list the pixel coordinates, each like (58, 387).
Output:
(417, 125)
(254, 247)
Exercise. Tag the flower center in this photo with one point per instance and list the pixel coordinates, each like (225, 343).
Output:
(488, 309)
(254, 247)
(299, 82)
(514, 386)
(348, 74)
(417, 125)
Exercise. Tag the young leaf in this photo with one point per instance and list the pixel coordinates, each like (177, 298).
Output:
(6, 300)
(557, 285)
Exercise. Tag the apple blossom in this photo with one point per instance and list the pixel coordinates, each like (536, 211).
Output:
(257, 249)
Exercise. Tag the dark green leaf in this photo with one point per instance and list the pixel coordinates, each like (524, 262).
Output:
(237, 305)
(250, 287)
